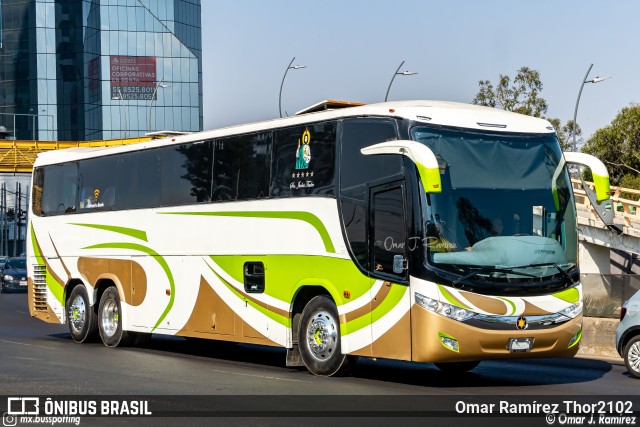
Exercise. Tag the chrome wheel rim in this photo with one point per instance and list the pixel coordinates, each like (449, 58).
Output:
(633, 356)
(77, 314)
(322, 335)
(109, 318)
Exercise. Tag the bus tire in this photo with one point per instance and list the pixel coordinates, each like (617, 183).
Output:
(110, 319)
(457, 367)
(81, 319)
(319, 338)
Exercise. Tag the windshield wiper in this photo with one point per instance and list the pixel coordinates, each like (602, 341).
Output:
(562, 271)
(492, 270)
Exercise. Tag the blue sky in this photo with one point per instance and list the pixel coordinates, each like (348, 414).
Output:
(352, 47)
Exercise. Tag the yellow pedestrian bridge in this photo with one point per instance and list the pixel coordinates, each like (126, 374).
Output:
(19, 155)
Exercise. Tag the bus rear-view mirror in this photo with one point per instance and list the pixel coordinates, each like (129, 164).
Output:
(420, 155)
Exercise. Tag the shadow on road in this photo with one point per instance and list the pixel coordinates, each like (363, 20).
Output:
(505, 373)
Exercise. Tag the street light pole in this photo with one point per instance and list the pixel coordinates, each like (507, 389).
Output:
(403, 73)
(575, 111)
(153, 98)
(289, 67)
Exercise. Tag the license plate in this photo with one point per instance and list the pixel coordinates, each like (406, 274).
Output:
(23, 283)
(519, 345)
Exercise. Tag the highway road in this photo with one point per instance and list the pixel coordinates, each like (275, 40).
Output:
(39, 359)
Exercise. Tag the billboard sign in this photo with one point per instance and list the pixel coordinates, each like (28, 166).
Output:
(133, 77)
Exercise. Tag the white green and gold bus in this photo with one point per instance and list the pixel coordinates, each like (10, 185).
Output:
(418, 230)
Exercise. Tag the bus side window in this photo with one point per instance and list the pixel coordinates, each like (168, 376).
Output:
(96, 177)
(356, 171)
(304, 160)
(59, 189)
(241, 167)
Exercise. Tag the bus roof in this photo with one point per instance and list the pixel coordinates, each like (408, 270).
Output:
(442, 113)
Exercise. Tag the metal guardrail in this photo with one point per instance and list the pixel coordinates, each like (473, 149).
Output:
(627, 209)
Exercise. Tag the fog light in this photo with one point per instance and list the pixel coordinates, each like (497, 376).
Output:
(449, 342)
(576, 339)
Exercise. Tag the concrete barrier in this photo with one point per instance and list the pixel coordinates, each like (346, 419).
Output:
(599, 337)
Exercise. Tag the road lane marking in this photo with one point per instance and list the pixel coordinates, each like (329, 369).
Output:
(30, 345)
(261, 376)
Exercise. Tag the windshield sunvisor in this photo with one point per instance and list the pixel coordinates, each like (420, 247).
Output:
(507, 251)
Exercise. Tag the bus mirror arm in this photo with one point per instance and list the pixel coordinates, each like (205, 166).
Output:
(600, 198)
(420, 155)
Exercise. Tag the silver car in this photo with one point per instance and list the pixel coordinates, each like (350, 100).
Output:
(628, 335)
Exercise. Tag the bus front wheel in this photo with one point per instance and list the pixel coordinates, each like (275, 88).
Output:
(110, 319)
(319, 338)
(82, 321)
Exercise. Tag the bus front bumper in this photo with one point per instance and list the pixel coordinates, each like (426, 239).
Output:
(437, 338)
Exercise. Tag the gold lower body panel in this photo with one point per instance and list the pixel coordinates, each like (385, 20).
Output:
(485, 344)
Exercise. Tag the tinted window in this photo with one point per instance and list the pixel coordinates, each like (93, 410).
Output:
(304, 160)
(38, 182)
(354, 214)
(241, 167)
(59, 189)
(97, 183)
(388, 235)
(138, 178)
(186, 173)
(358, 169)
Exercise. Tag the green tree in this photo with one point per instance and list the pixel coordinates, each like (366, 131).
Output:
(523, 96)
(565, 133)
(618, 146)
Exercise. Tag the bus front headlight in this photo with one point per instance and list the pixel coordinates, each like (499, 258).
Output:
(573, 310)
(448, 310)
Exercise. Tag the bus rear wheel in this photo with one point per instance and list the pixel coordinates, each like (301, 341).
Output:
(82, 321)
(110, 319)
(319, 338)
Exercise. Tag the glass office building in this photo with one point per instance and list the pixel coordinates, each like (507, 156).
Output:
(99, 69)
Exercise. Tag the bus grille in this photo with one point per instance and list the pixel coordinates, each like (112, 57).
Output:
(40, 288)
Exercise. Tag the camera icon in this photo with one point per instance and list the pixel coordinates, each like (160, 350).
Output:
(9, 420)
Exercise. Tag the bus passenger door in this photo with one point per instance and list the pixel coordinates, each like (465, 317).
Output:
(390, 306)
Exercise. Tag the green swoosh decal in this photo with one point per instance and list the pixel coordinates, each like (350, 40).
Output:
(307, 217)
(274, 316)
(132, 232)
(571, 295)
(160, 260)
(57, 289)
(452, 300)
(513, 306)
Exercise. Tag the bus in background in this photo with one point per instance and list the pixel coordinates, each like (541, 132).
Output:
(424, 231)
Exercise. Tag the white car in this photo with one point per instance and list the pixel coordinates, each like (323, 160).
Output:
(628, 335)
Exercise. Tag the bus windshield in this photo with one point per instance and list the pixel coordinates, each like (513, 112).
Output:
(506, 211)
